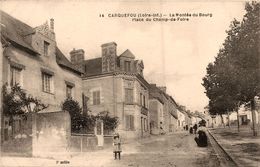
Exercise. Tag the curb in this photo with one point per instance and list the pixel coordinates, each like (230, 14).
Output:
(228, 154)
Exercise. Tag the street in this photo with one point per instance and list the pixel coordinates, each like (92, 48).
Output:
(174, 150)
(177, 150)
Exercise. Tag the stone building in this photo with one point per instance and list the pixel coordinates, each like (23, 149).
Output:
(115, 84)
(32, 59)
(168, 116)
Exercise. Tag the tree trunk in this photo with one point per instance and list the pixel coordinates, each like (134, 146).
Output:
(222, 121)
(253, 118)
(238, 126)
(228, 114)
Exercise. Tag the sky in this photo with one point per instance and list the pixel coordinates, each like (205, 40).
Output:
(175, 54)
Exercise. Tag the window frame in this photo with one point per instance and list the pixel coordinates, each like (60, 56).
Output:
(46, 48)
(127, 65)
(47, 78)
(13, 74)
(129, 98)
(129, 125)
(96, 97)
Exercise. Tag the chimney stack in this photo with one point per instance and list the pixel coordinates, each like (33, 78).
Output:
(77, 56)
(52, 24)
(109, 57)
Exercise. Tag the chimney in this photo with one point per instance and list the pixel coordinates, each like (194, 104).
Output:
(109, 56)
(52, 24)
(109, 49)
(162, 88)
(77, 56)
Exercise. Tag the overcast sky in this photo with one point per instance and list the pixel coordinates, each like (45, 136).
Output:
(175, 54)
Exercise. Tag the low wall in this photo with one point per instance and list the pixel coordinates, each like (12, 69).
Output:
(108, 140)
(83, 142)
(52, 134)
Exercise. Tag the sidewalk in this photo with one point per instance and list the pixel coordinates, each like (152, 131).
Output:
(243, 147)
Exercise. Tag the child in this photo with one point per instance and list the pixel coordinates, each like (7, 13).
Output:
(117, 145)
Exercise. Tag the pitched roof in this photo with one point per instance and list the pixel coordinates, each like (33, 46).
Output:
(93, 66)
(127, 53)
(14, 31)
(64, 62)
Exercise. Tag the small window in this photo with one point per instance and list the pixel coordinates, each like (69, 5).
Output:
(127, 66)
(46, 48)
(46, 82)
(129, 96)
(96, 97)
(15, 76)
(69, 91)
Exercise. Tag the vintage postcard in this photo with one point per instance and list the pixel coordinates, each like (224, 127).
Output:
(143, 83)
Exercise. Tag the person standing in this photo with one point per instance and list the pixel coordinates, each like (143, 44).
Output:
(117, 146)
(195, 127)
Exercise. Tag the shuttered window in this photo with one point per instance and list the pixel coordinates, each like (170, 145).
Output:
(129, 122)
(96, 97)
(15, 76)
(129, 96)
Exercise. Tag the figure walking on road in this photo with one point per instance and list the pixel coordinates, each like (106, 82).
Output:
(202, 139)
(117, 146)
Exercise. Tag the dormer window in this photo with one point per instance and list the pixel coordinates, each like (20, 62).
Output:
(46, 48)
(127, 66)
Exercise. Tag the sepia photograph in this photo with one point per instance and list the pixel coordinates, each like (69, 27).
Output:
(121, 83)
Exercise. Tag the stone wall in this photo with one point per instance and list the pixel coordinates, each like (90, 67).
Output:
(52, 135)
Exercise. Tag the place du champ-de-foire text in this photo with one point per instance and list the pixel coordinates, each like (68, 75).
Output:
(158, 17)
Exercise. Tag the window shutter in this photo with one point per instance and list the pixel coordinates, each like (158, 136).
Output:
(131, 122)
(127, 121)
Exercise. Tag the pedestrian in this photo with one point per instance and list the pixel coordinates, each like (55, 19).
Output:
(191, 130)
(202, 139)
(117, 146)
(195, 127)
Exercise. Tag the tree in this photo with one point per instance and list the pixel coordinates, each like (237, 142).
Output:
(17, 102)
(110, 123)
(233, 78)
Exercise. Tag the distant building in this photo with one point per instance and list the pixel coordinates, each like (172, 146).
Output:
(115, 84)
(181, 119)
(167, 121)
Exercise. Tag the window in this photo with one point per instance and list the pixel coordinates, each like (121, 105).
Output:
(46, 48)
(141, 98)
(129, 96)
(15, 76)
(46, 82)
(69, 91)
(129, 122)
(96, 97)
(144, 102)
(127, 66)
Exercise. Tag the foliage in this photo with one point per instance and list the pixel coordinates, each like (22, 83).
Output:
(18, 102)
(84, 122)
(110, 123)
(233, 78)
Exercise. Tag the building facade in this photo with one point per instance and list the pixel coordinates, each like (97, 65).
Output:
(32, 59)
(168, 114)
(114, 83)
